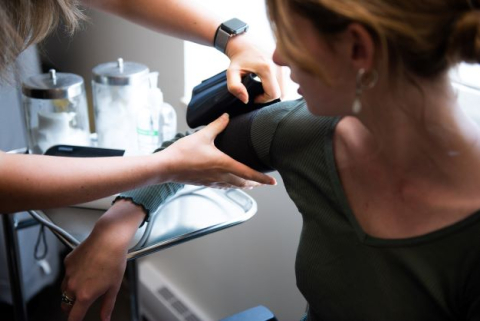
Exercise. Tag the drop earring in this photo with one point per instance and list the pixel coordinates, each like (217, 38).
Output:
(365, 80)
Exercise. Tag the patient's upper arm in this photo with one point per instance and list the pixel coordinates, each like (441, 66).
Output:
(248, 137)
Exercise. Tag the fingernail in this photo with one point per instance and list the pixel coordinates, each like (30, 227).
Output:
(225, 116)
(244, 99)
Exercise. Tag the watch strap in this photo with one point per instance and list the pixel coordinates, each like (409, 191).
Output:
(221, 39)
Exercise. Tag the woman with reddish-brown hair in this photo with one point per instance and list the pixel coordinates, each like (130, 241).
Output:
(378, 156)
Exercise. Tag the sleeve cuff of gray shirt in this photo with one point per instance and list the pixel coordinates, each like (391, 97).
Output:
(151, 198)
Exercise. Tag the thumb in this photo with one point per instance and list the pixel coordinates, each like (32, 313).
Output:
(217, 126)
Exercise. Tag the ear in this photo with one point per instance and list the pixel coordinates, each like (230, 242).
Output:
(361, 46)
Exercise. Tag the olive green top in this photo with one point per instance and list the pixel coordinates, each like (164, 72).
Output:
(343, 273)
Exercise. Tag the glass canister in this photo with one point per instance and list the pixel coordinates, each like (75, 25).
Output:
(55, 110)
(119, 90)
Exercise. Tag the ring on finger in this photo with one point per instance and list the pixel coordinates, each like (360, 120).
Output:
(66, 299)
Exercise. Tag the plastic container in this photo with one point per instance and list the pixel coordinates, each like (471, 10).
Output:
(55, 111)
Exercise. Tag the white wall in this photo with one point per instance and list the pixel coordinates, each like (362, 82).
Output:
(466, 80)
(12, 125)
(234, 269)
(467, 74)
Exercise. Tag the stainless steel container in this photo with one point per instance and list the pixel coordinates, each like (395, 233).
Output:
(55, 110)
(118, 92)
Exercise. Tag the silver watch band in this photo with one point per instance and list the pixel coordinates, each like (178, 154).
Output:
(221, 40)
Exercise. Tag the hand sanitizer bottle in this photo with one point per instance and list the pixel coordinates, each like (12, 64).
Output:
(168, 119)
(149, 120)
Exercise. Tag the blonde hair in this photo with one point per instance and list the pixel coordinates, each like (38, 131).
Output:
(416, 37)
(25, 22)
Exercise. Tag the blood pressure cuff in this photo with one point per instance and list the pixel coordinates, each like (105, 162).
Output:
(248, 138)
(236, 141)
(211, 99)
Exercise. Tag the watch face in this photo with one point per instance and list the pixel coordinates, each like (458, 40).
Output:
(234, 26)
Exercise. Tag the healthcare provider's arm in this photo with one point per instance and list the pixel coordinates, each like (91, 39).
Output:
(39, 182)
(189, 20)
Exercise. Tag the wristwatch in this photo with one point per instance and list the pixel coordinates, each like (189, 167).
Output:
(227, 30)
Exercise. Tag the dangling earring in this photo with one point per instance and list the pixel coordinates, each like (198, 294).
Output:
(365, 80)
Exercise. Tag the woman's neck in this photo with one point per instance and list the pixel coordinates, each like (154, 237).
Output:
(419, 121)
(421, 136)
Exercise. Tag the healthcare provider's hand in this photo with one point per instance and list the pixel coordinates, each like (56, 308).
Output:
(197, 161)
(96, 267)
(246, 57)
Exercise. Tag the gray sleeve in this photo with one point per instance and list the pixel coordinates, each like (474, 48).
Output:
(150, 198)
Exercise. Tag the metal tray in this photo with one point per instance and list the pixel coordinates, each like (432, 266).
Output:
(193, 212)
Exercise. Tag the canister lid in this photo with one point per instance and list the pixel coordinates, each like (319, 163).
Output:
(120, 73)
(53, 86)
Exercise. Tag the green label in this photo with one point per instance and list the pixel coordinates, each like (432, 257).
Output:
(147, 132)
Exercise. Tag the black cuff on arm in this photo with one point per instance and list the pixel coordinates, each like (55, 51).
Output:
(236, 141)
